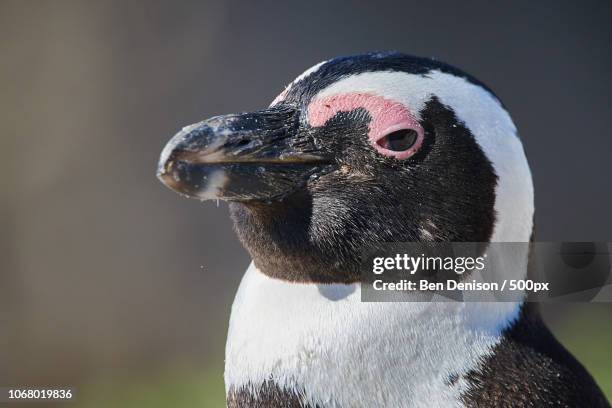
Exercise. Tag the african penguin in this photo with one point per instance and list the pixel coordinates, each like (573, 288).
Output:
(381, 147)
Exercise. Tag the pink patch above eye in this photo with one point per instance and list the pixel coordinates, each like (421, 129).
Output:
(387, 117)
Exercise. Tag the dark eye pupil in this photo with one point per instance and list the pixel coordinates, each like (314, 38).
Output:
(401, 140)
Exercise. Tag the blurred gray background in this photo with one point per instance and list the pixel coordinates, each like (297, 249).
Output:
(112, 283)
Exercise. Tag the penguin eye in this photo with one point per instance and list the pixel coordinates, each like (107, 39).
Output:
(399, 144)
(400, 140)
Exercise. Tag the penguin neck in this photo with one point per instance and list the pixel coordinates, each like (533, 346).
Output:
(282, 240)
(325, 339)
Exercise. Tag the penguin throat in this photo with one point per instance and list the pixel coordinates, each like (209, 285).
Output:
(279, 238)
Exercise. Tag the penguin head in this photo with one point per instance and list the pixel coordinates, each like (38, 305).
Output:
(381, 147)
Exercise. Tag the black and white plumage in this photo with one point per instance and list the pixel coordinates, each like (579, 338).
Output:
(379, 147)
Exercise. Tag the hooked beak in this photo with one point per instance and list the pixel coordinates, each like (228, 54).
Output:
(241, 157)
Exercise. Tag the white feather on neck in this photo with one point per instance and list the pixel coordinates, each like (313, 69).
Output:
(322, 341)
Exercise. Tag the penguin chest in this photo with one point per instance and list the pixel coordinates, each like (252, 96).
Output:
(324, 347)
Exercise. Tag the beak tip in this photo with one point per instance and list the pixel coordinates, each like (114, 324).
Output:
(190, 180)
(161, 175)
(168, 173)
(166, 178)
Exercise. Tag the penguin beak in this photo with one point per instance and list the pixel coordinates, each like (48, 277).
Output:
(241, 157)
